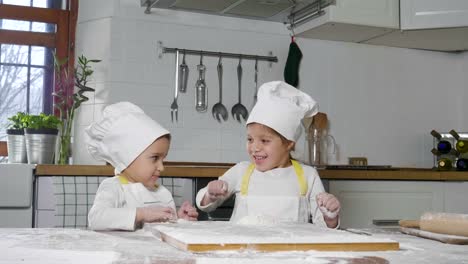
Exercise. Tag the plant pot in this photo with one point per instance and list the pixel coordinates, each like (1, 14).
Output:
(40, 145)
(16, 146)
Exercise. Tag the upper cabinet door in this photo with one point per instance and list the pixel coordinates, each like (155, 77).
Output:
(424, 14)
(352, 21)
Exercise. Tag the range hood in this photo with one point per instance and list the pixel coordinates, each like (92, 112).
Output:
(267, 10)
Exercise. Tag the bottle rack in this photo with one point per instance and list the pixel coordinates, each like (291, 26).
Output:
(447, 136)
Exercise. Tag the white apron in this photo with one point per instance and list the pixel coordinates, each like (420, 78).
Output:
(137, 195)
(279, 208)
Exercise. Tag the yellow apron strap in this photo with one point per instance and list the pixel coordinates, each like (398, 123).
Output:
(246, 178)
(297, 168)
(124, 180)
(300, 177)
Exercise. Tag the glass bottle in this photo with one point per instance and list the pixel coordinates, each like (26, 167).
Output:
(443, 146)
(462, 143)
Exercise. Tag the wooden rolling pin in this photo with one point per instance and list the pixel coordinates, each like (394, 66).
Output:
(442, 223)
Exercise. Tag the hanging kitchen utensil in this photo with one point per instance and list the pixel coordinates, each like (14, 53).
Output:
(174, 106)
(239, 110)
(183, 75)
(219, 109)
(201, 104)
(256, 83)
(291, 69)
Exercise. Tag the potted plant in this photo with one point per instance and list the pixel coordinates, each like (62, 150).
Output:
(16, 143)
(67, 104)
(41, 137)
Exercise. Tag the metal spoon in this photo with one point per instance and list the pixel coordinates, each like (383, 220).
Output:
(219, 109)
(239, 110)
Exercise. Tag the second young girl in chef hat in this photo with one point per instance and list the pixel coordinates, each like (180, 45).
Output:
(136, 146)
(271, 185)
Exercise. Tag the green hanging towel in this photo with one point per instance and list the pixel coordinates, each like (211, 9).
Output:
(291, 70)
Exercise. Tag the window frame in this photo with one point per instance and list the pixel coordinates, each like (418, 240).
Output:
(63, 40)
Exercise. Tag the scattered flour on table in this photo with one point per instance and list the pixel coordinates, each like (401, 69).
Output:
(264, 220)
(53, 256)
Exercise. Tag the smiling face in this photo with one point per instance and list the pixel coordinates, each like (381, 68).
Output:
(266, 148)
(147, 167)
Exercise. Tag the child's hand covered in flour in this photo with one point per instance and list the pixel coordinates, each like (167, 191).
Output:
(329, 205)
(187, 212)
(152, 214)
(216, 189)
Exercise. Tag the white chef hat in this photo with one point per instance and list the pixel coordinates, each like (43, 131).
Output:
(124, 132)
(281, 107)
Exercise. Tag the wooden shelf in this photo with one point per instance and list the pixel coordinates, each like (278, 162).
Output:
(210, 170)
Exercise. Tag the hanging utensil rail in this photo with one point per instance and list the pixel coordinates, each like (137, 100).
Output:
(222, 54)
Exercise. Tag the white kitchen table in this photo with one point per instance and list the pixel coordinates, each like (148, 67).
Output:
(28, 245)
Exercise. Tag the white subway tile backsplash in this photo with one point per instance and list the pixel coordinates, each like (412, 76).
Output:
(194, 155)
(234, 156)
(198, 139)
(84, 115)
(233, 140)
(359, 86)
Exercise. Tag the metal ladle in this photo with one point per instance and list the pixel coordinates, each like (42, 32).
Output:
(219, 109)
(239, 110)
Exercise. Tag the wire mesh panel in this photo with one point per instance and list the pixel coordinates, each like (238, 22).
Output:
(74, 197)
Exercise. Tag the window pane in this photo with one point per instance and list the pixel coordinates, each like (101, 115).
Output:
(22, 25)
(18, 2)
(15, 24)
(36, 92)
(13, 91)
(14, 54)
(37, 55)
(40, 3)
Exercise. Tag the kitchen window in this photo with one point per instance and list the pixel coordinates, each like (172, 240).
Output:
(30, 31)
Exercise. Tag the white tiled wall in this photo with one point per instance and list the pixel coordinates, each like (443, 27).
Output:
(381, 101)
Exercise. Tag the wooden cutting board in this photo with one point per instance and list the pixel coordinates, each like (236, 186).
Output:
(449, 239)
(212, 236)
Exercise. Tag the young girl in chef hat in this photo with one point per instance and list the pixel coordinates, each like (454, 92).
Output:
(136, 146)
(272, 186)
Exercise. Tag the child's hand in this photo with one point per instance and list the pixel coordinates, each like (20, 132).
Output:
(154, 214)
(328, 204)
(187, 212)
(217, 189)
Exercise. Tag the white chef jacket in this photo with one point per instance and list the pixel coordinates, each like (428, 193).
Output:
(117, 199)
(274, 183)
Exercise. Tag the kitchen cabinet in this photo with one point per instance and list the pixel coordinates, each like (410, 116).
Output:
(353, 21)
(420, 24)
(368, 204)
(16, 195)
(455, 197)
(431, 14)
(430, 24)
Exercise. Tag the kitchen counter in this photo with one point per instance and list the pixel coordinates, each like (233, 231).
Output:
(209, 170)
(83, 246)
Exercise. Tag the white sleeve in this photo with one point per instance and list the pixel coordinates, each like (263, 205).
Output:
(106, 213)
(232, 178)
(315, 187)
